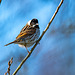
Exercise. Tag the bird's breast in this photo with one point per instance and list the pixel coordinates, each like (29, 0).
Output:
(30, 40)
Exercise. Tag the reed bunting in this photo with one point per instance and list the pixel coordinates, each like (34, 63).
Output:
(28, 35)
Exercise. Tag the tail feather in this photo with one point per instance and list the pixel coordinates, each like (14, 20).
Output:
(11, 43)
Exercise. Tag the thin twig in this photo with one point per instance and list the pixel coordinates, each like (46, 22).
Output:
(38, 39)
(9, 64)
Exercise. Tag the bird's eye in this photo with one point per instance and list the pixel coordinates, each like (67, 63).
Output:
(34, 20)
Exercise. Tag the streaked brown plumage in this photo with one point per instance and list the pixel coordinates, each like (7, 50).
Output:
(28, 35)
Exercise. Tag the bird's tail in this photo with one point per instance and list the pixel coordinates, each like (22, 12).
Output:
(11, 42)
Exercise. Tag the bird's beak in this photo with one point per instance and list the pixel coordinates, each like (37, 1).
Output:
(37, 24)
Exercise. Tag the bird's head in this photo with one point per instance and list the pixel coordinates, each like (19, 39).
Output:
(33, 22)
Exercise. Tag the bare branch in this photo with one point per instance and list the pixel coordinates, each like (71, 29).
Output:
(39, 38)
(9, 64)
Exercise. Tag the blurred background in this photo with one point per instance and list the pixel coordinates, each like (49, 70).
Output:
(55, 55)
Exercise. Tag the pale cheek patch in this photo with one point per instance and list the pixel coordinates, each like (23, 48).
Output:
(33, 26)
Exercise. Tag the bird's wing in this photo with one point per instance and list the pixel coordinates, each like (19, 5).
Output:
(24, 28)
(26, 31)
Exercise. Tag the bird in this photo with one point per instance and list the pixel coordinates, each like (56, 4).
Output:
(28, 35)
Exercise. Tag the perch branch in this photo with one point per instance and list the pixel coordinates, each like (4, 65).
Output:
(39, 38)
(9, 64)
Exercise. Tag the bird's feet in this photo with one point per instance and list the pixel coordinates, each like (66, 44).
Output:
(28, 52)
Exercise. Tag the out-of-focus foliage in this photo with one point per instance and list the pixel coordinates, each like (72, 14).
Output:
(55, 55)
(0, 1)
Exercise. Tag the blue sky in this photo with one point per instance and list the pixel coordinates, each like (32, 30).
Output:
(56, 47)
